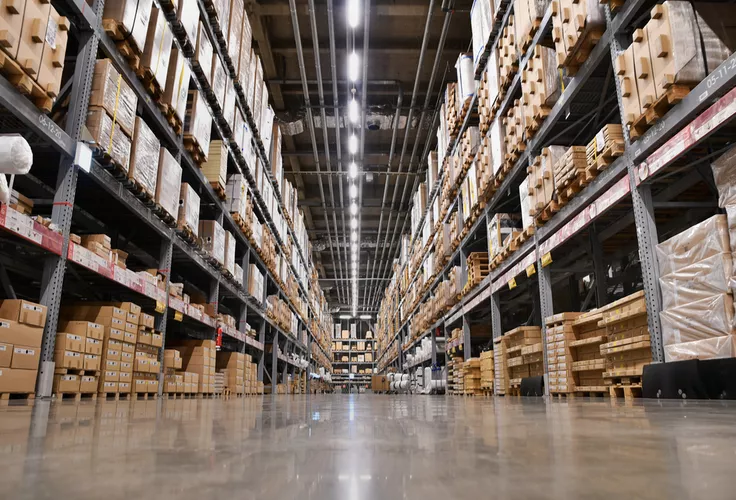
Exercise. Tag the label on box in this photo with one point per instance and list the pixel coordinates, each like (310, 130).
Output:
(117, 321)
(51, 29)
(3, 347)
(110, 374)
(4, 324)
(110, 384)
(31, 307)
(90, 356)
(93, 341)
(67, 378)
(126, 354)
(20, 350)
(87, 378)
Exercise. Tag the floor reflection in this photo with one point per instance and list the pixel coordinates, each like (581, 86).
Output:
(365, 446)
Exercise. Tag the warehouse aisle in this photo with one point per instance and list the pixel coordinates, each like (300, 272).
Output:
(367, 446)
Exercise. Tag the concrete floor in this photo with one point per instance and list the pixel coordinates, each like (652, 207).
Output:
(367, 447)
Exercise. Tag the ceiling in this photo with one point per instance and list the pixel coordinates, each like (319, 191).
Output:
(394, 36)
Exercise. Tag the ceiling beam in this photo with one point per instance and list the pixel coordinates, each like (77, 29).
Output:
(391, 47)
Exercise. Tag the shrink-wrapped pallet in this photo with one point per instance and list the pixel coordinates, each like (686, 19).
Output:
(155, 58)
(699, 242)
(111, 92)
(702, 319)
(526, 204)
(711, 348)
(109, 138)
(724, 175)
(697, 281)
(144, 157)
(54, 50)
(244, 56)
(465, 79)
(215, 168)
(213, 239)
(188, 214)
(168, 184)
(498, 145)
(481, 23)
(203, 52)
(572, 23)
(257, 92)
(541, 83)
(30, 42)
(235, 29)
(218, 79)
(230, 252)
(501, 226)
(236, 190)
(230, 104)
(198, 121)
(187, 12)
(133, 16)
(222, 7)
(177, 84)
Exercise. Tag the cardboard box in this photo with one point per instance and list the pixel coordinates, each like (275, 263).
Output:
(12, 332)
(188, 212)
(157, 340)
(145, 337)
(93, 346)
(147, 321)
(31, 41)
(133, 15)
(17, 380)
(88, 384)
(126, 377)
(23, 311)
(6, 355)
(130, 337)
(157, 51)
(68, 359)
(110, 365)
(92, 362)
(69, 342)
(124, 387)
(168, 185)
(26, 358)
(107, 386)
(126, 366)
(109, 376)
(86, 329)
(99, 314)
(66, 383)
(54, 50)
(11, 23)
(112, 93)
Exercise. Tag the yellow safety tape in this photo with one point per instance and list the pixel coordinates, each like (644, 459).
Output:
(562, 80)
(114, 114)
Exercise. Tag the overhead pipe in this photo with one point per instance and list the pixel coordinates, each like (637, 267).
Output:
(414, 92)
(335, 102)
(437, 58)
(325, 138)
(303, 73)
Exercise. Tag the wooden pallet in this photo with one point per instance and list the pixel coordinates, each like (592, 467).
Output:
(195, 150)
(150, 84)
(582, 48)
(660, 107)
(188, 235)
(165, 216)
(592, 391)
(24, 83)
(114, 396)
(627, 392)
(76, 396)
(219, 189)
(170, 114)
(7, 397)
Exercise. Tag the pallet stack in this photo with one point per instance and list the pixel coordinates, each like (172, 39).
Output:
(77, 354)
(232, 366)
(569, 174)
(459, 375)
(540, 88)
(488, 94)
(486, 371)
(21, 334)
(605, 147)
(197, 127)
(588, 364)
(500, 366)
(528, 17)
(576, 29)
(559, 334)
(683, 53)
(198, 358)
(524, 356)
(471, 377)
(628, 347)
(478, 269)
(215, 168)
(508, 57)
(541, 184)
(515, 139)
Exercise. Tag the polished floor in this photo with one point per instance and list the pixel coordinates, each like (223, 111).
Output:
(368, 447)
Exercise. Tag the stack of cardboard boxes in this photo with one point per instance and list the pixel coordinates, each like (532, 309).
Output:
(147, 367)
(199, 357)
(78, 357)
(21, 332)
(232, 365)
(486, 370)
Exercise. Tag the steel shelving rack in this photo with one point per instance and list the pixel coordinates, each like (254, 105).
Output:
(350, 379)
(94, 201)
(632, 205)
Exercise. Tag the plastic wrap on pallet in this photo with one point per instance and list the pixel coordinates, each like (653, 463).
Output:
(187, 12)
(246, 43)
(158, 47)
(491, 77)
(235, 29)
(111, 92)
(702, 319)
(222, 8)
(109, 138)
(257, 99)
(465, 79)
(500, 226)
(238, 129)
(213, 237)
(133, 15)
(526, 204)
(696, 243)
(267, 118)
(198, 121)
(712, 348)
(238, 274)
(697, 281)
(498, 146)
(188, 213)
(230, 105)
(257, 232)
(724, 175)
(230, 252)
(177, 84)
(481, 19)
(144, 157)
(237, 192)
(203, 52)
(168, 185)
(219, 80)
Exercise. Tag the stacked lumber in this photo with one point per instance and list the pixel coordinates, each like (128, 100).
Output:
(588, 363)
(559, 334)
(215, 167)
(508, 57)
(569, 173)
(524, 356)
(576, 29)
(486, 370)
(604, 148)
(540, 88)
(500, 367)
(478, 269)
(471, 377)
(541, 184)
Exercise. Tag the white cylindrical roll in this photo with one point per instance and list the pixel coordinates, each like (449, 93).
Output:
(4, 190)
(16, 156)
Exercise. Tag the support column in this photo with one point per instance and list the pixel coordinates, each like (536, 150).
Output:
(546, 310)
(466, 339)
(496, 316)
(274, 362)
(601, 293)
(162, 308)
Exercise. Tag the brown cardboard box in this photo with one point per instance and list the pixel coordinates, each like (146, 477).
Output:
(12, 332)
(16, 380)
(124, 387)
(23, 311)
(100, 314)
(144, 337)
(126, 366)
(84, 328)
(125, 377)
(114, 333)
(127, 357)
(131, 327)
(157, 340)
(128, 347)
(130, 337)
(110, 365)
(6, 354)
(66, 384)
(11, 23)
(54, 50)
(93, 346)
(111, 354)
(109, 376)
(107, 386)
(147, 321)
(88, 383)
(30, 46)
(153, 385)
(92, 362)
(26, 358)
(68, 359)
(139, 385)
(69, 342)
(141, 364)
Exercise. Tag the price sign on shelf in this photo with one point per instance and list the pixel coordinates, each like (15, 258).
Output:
(546, 259)
(512, 283)
(530, 271)
(160, 306)
(178, 316)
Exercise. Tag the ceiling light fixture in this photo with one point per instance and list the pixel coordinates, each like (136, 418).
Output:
(352, 170)
(353, 110)
(354, 236)
(353, 144)
(353, 208)
(353, 13)
(354, 223)
(353, 191)
(353, 66)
